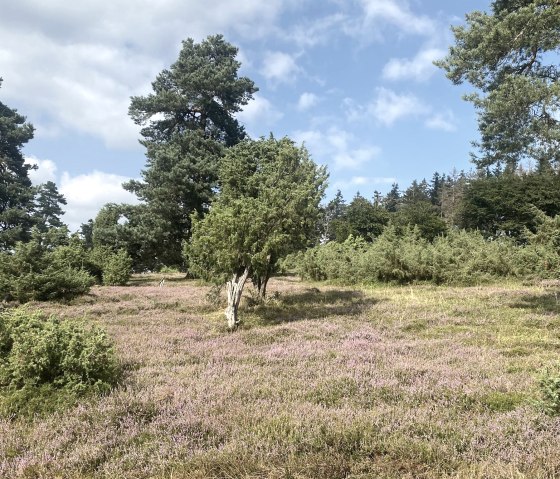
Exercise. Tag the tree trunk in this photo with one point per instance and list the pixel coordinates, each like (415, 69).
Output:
(263, 281)
(234, 290)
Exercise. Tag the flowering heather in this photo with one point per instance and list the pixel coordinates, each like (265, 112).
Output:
(319, 382)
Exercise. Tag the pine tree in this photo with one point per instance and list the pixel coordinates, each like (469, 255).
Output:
(16, 192)
(187, 121)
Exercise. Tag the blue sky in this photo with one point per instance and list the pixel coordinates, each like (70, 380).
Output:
(352, 79)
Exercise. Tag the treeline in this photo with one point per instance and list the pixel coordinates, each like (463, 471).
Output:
(497, 204)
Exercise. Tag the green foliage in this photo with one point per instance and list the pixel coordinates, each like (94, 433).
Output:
(200, 91)
(268, 207)
(549, 384)
(117, 268)
(38, 271)
(402, 255)
(187, 120)
(47, 209)
(509, 204)
(365, 219)
(509, 56)
(46, 363)
(16, 192)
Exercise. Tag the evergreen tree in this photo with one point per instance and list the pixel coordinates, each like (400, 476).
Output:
(47, 210)
(16, 192)
(187, 121)
(365, 219)
(336, 227)
(392, 199)
(418, 210)
(511, 57)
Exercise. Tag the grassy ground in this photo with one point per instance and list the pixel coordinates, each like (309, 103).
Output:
(321, 382)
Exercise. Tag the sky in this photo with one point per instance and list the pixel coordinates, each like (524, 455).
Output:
(352, 80)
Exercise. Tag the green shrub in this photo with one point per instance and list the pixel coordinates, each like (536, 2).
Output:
(550, 392)
(36, 272)
(402, 255)
(117, 268)
(46, 362)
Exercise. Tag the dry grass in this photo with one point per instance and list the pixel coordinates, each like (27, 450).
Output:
(321, 382)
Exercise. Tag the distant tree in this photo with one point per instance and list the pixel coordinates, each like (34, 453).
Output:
(86, 234)
(392, 199)
(16, 192)
(508, 204)
(187, 121)
(418, 210)
(48, 210)
(336, 227)
(511, 57)
(451, 197)
(365, 219)
(436, 185)
(268, 207)
(132, 228)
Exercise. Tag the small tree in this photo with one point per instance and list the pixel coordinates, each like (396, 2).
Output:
(268, 207)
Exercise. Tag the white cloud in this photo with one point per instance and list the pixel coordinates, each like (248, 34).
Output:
(46, 170)
(279, 67)
(419, 68)
(363, 181)
(74, 67)
(87, 193)
(337, 147)
(395, 16)
(445, 121)
(355, 158)
(317, 31)
(388, 107)
(259, 114)
(307, 101)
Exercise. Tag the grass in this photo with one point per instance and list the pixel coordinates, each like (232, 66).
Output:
(319, 382)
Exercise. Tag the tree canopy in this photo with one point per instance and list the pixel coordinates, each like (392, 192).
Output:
(201, 91)
(511, 57)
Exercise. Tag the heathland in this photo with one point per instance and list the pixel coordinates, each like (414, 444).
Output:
(320, 381)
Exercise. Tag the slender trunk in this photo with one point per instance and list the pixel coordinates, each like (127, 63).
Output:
(234, 290)
(263, 281)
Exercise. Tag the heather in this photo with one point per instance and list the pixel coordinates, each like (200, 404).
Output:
(318, 381)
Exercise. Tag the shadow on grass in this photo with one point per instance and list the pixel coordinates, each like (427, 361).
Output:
(547, 303)
(312, 304)
(154, 279)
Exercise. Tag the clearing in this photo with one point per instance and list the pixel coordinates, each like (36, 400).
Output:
(321, 382)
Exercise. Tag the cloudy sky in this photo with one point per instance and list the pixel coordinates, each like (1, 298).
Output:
(352, 79)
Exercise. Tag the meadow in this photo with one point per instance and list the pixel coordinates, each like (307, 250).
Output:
(322, 381)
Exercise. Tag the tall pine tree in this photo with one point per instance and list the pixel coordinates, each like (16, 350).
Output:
(16, 192)
(187, 121)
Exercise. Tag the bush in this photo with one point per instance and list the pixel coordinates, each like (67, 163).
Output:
(36, 272)
(117, 269)
(402, 255)
(550, 392)
(46, 363)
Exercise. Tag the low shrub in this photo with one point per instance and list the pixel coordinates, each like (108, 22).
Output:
(47, 363)
(117, 269)
(37, 272)
(550, 391)
(402, 255)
